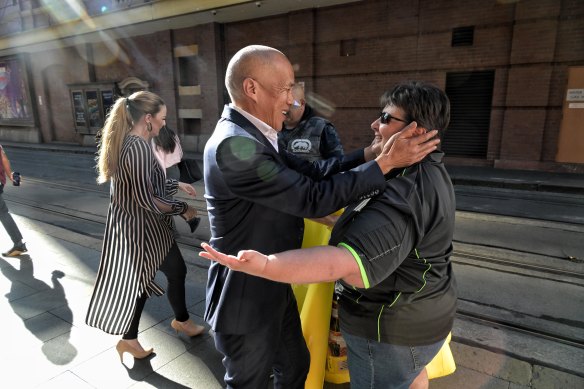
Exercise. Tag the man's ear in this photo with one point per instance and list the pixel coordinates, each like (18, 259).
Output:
(250, 89)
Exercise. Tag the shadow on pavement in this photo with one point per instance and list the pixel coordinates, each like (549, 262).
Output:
(27, 298)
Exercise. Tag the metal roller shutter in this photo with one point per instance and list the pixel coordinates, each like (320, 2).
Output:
(470, 95)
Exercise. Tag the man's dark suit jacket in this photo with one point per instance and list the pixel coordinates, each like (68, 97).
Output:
(257, 199)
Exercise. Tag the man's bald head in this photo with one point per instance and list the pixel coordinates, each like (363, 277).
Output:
(248, 62)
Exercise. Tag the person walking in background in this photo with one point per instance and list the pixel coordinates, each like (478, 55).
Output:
(306, 135)
(309, 137)
(391, 255)
(168, 151)
(256, 198)
(18, 246)
(139, 226)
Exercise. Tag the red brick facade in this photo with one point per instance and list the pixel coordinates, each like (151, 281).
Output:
(348, 55)
(529, 45)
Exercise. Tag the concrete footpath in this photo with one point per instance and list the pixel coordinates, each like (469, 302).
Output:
(46, 344)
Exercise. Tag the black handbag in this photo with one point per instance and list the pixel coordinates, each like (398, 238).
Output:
(189, 171)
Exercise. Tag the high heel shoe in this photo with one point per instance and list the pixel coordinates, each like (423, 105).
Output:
(124, 347)
(187, 327)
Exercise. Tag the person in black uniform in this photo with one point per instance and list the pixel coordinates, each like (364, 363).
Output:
(391, 255)
(256, 198)
(307, 135)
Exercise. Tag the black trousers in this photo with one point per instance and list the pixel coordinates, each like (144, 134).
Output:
(277, 347)
(175, 270)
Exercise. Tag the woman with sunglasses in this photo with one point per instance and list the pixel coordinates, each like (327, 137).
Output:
(390, 255)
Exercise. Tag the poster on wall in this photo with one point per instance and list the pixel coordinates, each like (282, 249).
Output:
(78, 109)
(15, 103)
(93, 113)
(107, 101)
(90, 104)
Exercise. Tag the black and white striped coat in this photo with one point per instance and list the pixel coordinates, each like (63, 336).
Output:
(136, 239)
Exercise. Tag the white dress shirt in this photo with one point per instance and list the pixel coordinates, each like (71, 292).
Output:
(269, 132)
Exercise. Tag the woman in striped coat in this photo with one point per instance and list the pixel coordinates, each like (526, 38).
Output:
(139, 227)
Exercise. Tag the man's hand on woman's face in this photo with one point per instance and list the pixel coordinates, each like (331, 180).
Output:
(407, 147)
(374, 149)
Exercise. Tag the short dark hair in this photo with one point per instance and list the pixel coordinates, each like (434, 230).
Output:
(424, 103)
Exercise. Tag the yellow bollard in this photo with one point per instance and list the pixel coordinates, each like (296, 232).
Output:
(443, 363)
(314, 304)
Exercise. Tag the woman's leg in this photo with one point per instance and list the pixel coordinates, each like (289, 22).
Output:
(175, 270)
(133, 330)
(129, 342)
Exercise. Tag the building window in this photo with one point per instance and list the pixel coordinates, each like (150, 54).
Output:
(462, 36)
(347, 48)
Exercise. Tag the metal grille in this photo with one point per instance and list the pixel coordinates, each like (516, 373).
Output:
(470, 95)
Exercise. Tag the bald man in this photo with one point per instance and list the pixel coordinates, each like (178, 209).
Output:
(307, 135)
(257, 196)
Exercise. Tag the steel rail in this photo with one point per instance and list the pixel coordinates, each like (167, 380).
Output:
(487, 320)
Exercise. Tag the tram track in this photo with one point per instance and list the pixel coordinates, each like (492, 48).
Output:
(458, 255)
(499, 318)
(518, 267)
(491, 321)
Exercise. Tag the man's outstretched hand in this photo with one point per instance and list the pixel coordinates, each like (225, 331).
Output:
(247, 261)
(407, 147)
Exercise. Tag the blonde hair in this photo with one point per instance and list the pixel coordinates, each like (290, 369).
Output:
(119, 122)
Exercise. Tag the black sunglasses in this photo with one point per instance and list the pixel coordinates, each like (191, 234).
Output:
(385, 118)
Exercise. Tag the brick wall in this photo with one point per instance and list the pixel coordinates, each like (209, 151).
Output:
(208, 68)
(52, 71)
(529, 45)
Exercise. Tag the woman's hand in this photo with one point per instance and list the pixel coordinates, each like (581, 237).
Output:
(190, 213)
(187, 188)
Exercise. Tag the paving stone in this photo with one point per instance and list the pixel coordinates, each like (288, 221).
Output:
(465, 377)
(200, 368)
(47, 326)
(513, 385)
(65, 380)
(493, 364)
(545, 378)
